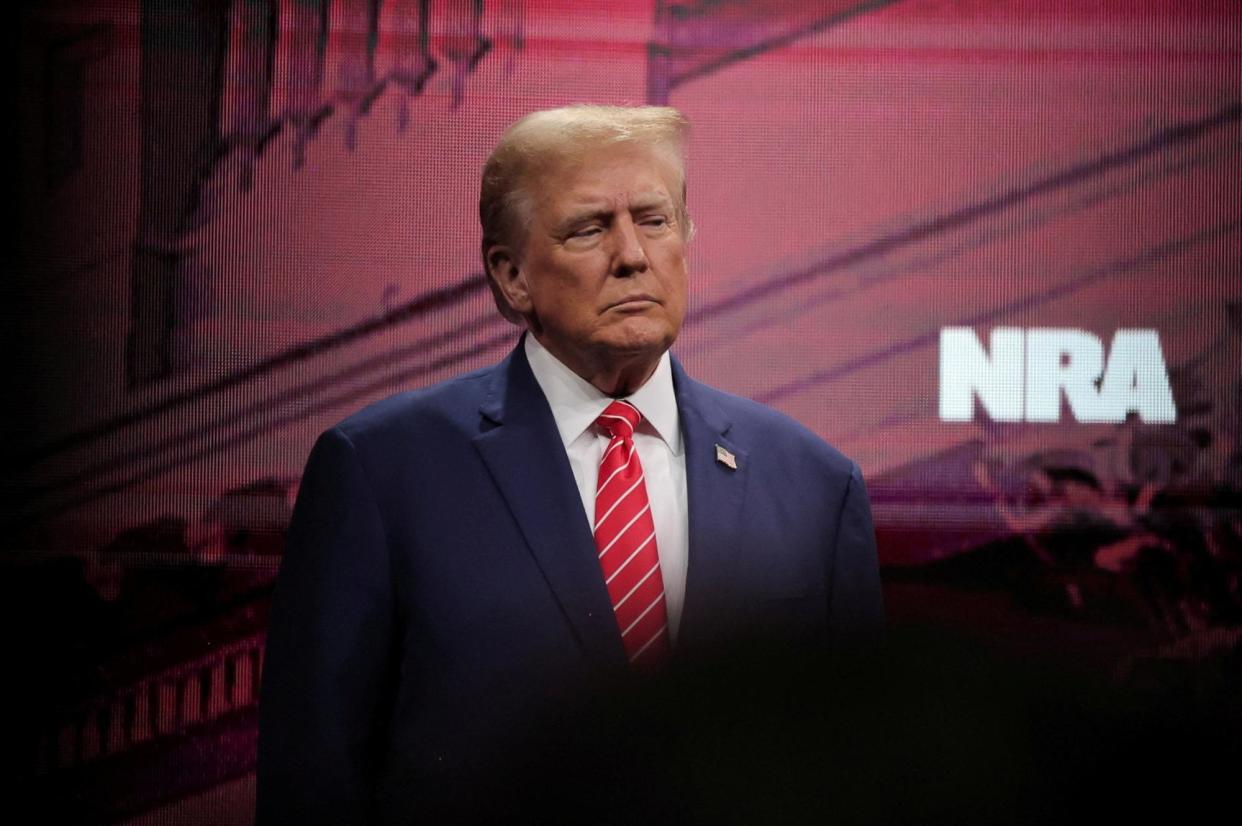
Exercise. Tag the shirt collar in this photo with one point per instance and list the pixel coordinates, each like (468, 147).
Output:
(576, 403)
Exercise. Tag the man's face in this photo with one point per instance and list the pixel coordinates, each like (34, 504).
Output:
(604, 264)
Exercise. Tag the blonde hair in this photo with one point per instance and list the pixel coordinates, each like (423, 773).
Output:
(541, 139)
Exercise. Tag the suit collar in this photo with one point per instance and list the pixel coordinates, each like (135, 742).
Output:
(716, 496)
(696, 399)
(514, 394)
(525, 457)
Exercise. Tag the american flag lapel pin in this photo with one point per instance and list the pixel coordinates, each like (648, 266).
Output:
(726, 458)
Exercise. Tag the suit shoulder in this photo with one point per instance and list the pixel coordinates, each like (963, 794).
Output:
(449, 404)
(756, 423)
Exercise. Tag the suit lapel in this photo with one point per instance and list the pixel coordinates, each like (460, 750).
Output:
(525, 456)
(715, 494)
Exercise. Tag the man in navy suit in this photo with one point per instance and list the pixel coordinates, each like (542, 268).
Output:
(468, 560)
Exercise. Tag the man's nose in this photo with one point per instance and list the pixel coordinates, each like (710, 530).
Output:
(629, 256)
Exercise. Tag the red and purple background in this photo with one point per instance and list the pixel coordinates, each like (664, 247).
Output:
(241, 220)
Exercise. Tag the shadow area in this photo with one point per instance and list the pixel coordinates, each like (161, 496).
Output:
(926, 728)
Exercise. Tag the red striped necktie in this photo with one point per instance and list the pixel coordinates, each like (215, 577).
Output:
(626, 542)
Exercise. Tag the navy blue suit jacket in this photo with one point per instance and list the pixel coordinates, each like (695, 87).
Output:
(440, 590)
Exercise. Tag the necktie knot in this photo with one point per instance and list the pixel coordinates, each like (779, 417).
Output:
(619, 420)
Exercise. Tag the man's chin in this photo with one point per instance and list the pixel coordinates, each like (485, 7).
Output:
(636, 337)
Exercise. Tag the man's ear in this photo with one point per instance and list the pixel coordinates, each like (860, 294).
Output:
(510, 279)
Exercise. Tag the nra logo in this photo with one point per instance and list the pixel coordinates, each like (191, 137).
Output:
(1021, 374)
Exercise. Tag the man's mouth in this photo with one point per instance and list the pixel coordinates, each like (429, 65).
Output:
(633, 302)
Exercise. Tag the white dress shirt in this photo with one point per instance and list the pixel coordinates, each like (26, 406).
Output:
(576, 404)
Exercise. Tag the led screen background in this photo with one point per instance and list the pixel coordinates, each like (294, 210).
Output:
(241, 221)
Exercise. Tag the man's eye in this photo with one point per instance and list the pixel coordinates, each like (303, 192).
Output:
(656, 221)
(586, 232)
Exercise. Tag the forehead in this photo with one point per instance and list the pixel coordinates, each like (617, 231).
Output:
(605, 174)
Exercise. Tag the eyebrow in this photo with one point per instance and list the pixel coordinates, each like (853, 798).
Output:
(600, 212)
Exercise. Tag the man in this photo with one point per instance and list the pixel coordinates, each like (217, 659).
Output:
(467, 559)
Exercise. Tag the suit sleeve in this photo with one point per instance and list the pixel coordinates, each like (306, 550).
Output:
(856, 604)
(327, 670)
